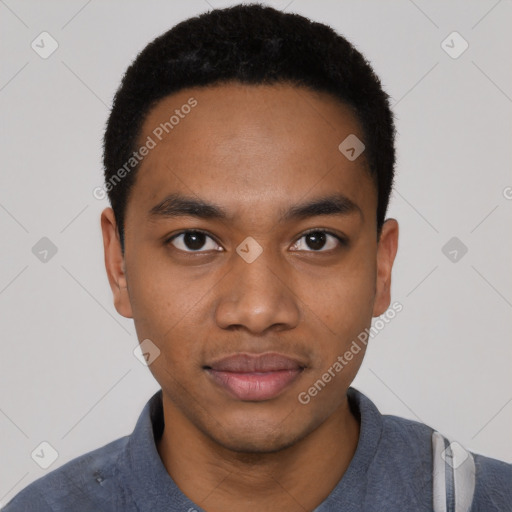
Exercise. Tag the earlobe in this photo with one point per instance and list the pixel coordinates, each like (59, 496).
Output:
(114, 263)
(386, 252)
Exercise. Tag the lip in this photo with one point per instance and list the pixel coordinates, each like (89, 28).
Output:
(255, 377)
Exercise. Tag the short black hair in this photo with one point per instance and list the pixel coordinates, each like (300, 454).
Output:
(249, 44)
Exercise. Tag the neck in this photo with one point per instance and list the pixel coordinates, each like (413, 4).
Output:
(297, 478)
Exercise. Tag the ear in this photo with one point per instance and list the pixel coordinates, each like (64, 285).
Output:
(114, 263)
(386, 252)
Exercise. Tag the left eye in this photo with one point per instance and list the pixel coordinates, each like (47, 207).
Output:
(317, 240)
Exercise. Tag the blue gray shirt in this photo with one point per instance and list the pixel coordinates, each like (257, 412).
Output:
(391, 470)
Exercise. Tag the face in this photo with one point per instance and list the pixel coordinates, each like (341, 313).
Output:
(251, 259)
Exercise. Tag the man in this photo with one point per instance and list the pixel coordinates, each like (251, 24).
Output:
(249, 160)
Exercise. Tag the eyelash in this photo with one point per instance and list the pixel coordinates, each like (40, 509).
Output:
(342, 240)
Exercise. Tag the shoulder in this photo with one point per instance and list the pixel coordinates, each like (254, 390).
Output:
(405, 437)
(88, 482)
(493, 484)
(404, 457)
(491, 479)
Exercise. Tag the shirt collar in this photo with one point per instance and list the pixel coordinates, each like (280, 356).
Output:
(151, 487)
(142, 470)
(349, 493)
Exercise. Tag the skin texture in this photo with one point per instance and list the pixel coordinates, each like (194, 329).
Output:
(255, 151)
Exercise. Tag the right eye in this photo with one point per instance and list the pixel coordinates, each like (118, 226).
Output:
(193, 241)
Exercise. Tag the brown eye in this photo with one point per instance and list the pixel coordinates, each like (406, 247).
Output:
(318, 241)
(193, 241)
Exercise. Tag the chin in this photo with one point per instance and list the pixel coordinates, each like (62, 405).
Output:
(256, 444)
(258, 437)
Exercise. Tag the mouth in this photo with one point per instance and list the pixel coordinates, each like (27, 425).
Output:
(252, 377)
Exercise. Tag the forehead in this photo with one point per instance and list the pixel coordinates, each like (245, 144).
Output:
(262, 146)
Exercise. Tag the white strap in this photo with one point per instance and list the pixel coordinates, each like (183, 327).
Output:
(453, 476)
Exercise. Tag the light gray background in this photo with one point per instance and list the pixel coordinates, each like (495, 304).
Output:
(68, 375)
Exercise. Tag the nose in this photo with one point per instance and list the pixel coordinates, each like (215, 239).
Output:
(257, 296)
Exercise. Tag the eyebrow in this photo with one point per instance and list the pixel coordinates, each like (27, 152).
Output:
(178, 205)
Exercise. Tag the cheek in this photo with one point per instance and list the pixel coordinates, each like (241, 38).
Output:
(343, 310)
(165, 311)
(345, 300)
(164, 302)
